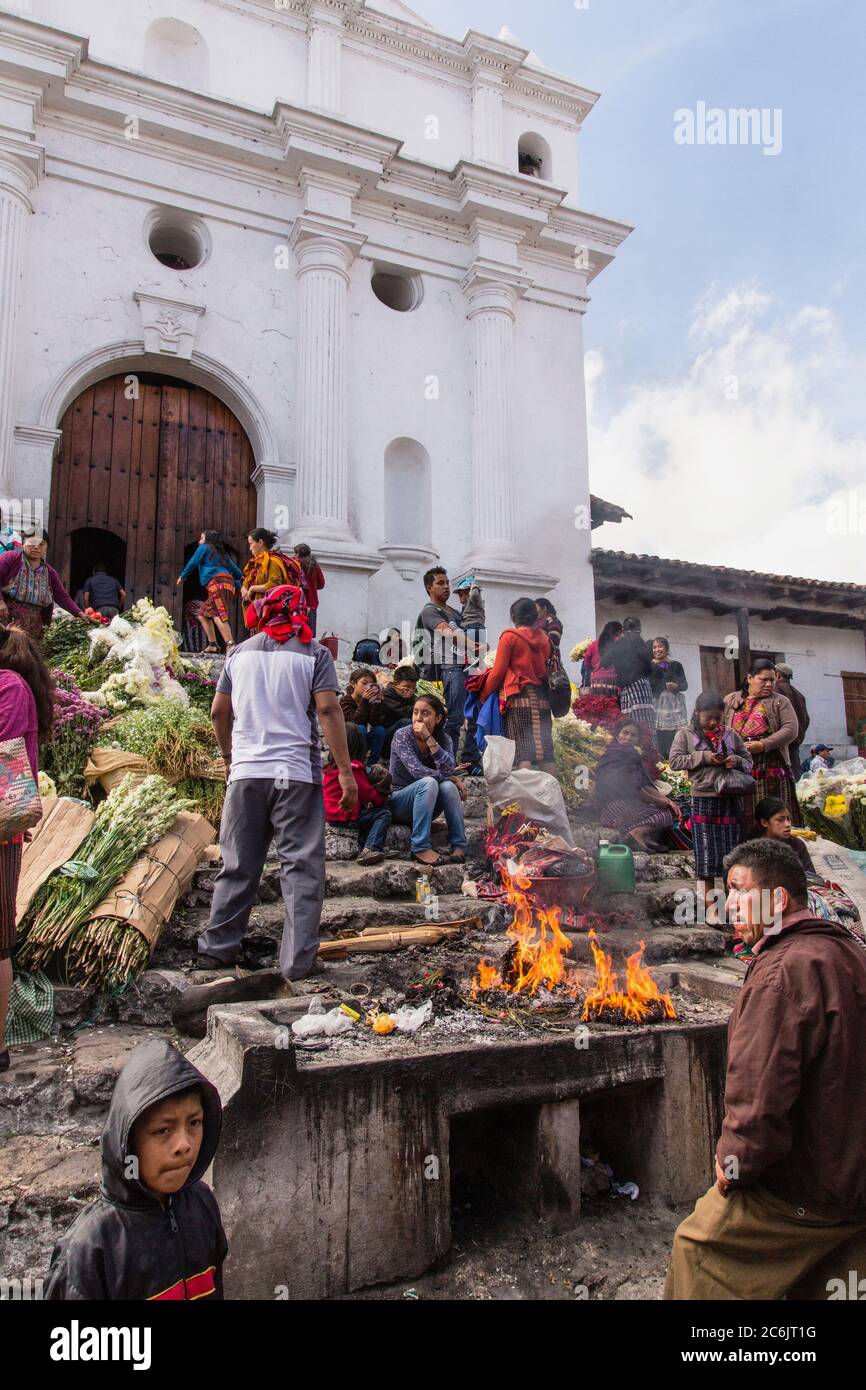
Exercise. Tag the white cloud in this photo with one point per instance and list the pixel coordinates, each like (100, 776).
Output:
(742, 461)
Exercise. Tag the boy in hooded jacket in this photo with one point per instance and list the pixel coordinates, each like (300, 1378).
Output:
(154, 1232)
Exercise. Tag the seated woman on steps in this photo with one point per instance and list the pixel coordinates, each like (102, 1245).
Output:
(422, 772)
(372, 816)
(626, 795)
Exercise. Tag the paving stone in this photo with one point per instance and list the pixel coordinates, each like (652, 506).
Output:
(98, 1056)
(152, 997)
(35, 1089)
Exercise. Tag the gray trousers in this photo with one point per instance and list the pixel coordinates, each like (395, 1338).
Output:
(256, 811)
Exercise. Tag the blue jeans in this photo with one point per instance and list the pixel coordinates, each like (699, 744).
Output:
(373, 824)
(454, 686)
(375, 735)
(417, 804)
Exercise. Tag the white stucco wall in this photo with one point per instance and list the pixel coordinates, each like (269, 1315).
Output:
(85, 265)
(817, 656)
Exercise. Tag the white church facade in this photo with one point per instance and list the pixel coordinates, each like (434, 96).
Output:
(307, 264)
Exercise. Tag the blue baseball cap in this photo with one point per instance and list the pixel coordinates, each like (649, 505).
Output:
(465, 584)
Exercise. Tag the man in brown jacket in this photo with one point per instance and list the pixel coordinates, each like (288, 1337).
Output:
(787, 1214)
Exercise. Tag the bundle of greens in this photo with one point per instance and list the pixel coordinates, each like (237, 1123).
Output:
(177, 740)
(578, 746)
(133, 817)
(67, 647)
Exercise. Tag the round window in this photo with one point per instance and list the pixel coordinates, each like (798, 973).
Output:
(178, 240)
(397, 289)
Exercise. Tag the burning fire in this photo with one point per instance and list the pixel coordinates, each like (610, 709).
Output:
(539, 944)
(641, 1000)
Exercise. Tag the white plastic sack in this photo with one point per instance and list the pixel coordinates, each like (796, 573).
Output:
(322, 1025)
(409, 1020)
(852, 767)
(538, 794)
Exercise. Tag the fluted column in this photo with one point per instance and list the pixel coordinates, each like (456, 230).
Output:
(16, 183)
(491, 311)
(487, 140)
(324, 261)
(325, 56)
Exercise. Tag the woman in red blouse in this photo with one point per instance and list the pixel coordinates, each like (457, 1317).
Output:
(519, 673)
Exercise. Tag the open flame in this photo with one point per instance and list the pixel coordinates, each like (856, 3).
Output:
(640, 1001)
(538, 947)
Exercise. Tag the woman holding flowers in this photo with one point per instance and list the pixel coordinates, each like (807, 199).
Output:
(220, 576)
(26, 712)
(30, 588)
(767, 723)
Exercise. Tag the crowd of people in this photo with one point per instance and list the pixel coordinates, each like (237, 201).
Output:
(788, 1206)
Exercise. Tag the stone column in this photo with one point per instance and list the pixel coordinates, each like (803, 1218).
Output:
(487, 118)
(324, 260)
(17, 180)
(492, 297)
(325, 57)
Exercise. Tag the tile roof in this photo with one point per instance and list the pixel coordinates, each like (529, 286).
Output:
(687, 567)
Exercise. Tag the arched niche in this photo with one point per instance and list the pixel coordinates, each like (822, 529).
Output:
(533, 157)
(176, 52)
(408, 506)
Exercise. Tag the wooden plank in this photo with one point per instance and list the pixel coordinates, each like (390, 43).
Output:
(744, 642)
(100, 463)
(143, 578)
(854, 690)
(75, 507)
(118, 510)
(167, 498)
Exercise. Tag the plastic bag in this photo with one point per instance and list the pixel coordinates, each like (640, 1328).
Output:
(410, 1020)
(317, 1025)
(538, 794)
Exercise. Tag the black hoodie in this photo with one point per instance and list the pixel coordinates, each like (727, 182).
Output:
(127, 1245)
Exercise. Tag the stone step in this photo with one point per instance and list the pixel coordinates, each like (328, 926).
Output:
(45, 1180)
(394, 878)
(177, 945)
(662, 944)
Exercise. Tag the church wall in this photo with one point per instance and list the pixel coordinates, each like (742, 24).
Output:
(253, 60)
(381, 94)
(816, 655)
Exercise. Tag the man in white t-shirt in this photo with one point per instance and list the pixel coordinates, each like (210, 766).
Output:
(272, 688)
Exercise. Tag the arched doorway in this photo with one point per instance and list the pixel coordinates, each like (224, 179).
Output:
(154, 461)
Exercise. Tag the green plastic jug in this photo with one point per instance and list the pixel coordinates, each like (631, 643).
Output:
(615, 868)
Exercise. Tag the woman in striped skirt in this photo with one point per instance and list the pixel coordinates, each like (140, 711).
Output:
(626, 796)
(26, 712)
(631, 659)
(519, 673)
(703, 749)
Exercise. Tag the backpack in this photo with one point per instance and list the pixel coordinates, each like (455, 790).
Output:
(558, 685)
(366, 652)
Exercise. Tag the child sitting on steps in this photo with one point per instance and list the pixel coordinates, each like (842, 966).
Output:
(364, 705)
(373, 816)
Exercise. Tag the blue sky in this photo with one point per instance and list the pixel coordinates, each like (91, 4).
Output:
(743, 267)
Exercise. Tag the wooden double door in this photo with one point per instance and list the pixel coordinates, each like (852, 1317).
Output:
(145, 464)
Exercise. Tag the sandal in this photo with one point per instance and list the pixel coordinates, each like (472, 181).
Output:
(428, 863)
(210, 650)
(457, 856)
